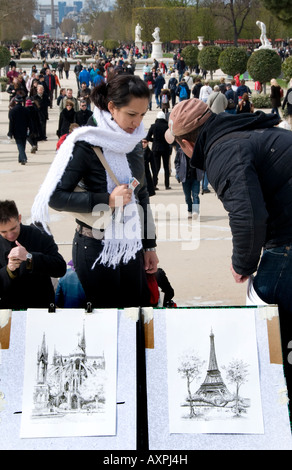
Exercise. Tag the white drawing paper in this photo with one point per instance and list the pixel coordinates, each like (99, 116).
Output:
(70, 374)
(213, 371)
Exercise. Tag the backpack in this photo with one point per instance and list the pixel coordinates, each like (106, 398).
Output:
(231, 104)
(172, 84)
(164, 98)
(183, 94)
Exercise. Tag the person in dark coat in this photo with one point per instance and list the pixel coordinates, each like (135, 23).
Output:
(160, 147)
(51, 85)
(82, 116)
(149, 162)
(197, 87)
(42, 102)
(17, 87)
(67, 117)
(28, 260)
(181, 67)
(19, 125)
(172, 84)
(84, 94)
(248, 163)
(275, 96)
(35, 125)
(158, 86)
(242, 88)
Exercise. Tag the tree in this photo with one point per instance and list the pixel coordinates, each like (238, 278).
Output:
(67, 26)
(208, 58)
(287, 68)
(233, 12)
(190, 55)
(190, 369)
(281, 9)
(236, 373)
(26, 45)
(263, 65)
(233, 60)
(11, 11)
(4, 56)
(111, 44)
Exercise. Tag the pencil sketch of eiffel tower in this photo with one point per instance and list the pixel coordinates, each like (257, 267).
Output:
(213, 390)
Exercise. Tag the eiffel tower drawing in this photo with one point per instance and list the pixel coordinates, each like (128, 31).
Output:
(213, 390)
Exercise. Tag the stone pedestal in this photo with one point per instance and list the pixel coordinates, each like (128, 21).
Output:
(139, 45)
(156, 50)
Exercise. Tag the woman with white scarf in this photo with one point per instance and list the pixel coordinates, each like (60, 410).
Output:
(111, 257)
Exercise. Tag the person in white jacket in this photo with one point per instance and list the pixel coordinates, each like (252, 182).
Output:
(205, 92)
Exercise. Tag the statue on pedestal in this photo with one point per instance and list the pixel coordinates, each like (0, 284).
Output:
(156, 45)
(156, 34)
(138, 30)
(264, 40)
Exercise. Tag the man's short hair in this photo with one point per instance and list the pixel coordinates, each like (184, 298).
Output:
(190, 136)
(8, 210)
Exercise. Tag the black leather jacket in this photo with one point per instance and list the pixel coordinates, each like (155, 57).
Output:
(86, 170)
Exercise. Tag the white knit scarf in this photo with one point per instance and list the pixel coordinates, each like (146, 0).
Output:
(118, 245)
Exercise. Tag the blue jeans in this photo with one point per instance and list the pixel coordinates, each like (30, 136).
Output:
(158, 99)
(21, 150)
(205, 181)
(191, 189)
(273, 281)
(273, 284)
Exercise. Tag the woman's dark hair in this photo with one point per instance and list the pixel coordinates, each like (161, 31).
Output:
(120, 90)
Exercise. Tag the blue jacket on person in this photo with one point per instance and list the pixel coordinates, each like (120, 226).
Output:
(84, 76)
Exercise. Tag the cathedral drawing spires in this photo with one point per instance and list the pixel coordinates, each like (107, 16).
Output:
(71, 382)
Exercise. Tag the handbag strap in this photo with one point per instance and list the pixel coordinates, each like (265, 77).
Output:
(105, 164)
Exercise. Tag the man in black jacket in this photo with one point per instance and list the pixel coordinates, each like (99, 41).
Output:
(28, 260)
(19, 125)
(82, 116)
(160, 147)
(248, 163)
(42, 103)
(51, 85)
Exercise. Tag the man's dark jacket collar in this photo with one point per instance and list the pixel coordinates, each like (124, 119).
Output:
(221, 124)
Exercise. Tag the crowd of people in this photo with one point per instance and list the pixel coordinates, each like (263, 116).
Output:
(38, 89)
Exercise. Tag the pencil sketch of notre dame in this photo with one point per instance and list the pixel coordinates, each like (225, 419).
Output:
(72, 383)
(213, 399)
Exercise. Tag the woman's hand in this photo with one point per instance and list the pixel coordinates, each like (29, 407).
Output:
(120, 196)
(150, 262)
